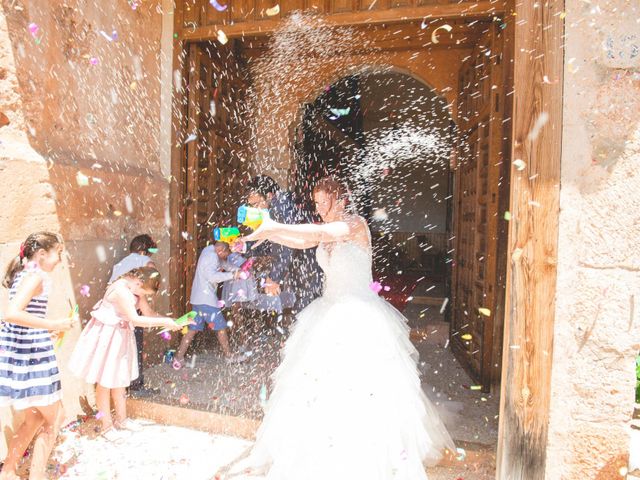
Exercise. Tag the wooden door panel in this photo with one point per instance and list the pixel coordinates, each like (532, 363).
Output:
(212, 187)
(476, 210)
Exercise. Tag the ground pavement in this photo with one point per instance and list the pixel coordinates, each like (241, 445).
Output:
(159, 452)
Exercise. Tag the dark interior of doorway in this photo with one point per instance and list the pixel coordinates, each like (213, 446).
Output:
(415, 264)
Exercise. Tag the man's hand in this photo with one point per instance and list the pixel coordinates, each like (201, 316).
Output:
(238, 246)
(271, 287)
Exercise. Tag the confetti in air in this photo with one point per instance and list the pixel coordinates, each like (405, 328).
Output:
(81, 179)
(222, 37)
(434, 36)
(129, 204)
(273, 11)
(541, 121)
(380, 215)
(101, 253)
(462, 454)
(444, 305)
(519, 164)
(217, 6)
(106, 36)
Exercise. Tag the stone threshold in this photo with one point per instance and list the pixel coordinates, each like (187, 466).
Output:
(210, 422)
(245, 428)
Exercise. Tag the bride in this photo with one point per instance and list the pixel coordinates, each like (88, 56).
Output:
(347, 402)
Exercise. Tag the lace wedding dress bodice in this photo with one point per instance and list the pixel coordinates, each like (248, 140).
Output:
(347, 268)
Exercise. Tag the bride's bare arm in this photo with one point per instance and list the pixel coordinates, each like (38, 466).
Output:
(292, 241)
(307, 235)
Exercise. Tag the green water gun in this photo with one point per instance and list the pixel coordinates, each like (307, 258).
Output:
(183, 321)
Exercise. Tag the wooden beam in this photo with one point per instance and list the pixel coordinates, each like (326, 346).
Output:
(481, 9)
(533, 241)
(176, 195)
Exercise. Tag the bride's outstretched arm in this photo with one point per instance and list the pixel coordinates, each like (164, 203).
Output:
(301, 236)
(292, 241)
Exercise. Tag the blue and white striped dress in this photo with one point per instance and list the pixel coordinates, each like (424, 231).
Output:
(29, 375)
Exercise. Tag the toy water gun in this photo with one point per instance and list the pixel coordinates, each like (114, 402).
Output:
(73, 313)
(183, 321)
(225, 234)
(251, 216)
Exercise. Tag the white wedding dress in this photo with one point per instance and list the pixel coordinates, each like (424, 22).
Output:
(347, 402)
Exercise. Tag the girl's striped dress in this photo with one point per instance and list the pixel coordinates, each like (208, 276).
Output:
(29, 375)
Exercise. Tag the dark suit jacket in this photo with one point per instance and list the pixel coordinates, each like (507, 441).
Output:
(296, 270)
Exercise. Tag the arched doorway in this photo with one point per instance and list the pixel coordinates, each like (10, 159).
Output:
(392, 139)
(350, 127)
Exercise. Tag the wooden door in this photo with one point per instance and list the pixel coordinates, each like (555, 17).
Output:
(216, 145)
(475, 329)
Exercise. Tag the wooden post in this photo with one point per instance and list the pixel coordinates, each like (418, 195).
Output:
(176, 191)
(533, 239)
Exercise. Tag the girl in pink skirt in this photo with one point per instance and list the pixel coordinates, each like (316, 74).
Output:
(106, 352)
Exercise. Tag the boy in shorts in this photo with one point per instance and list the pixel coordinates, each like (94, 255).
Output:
(204, 301)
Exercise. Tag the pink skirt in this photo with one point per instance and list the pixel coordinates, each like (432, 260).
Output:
(106, 355)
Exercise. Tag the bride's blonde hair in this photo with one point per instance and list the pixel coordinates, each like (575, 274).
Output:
(332, 186)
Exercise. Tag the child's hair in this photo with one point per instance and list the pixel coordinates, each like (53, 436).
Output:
(332, 186)
(34, 242)
(142, 243)
(149, 276)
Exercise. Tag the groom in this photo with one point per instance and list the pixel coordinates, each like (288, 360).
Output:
(295, 270)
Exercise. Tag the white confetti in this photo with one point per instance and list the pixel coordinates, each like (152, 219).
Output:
(519, 164)
(444, 305)
(81, 179)
(380, 215)
(128, 203)
(542, 120)
(167, 217)
(434, 37)
(106, 36)
(137, 67)
(101, 253)
(273, 11)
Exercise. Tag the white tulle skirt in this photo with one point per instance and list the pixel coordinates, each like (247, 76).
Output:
(347, 401)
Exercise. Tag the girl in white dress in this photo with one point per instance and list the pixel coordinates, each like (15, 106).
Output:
(347, 401)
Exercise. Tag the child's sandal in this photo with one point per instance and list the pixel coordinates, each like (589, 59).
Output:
(177, 364)
(112, 435)
(128, 425)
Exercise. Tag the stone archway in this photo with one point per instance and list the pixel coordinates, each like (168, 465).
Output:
(360, 66)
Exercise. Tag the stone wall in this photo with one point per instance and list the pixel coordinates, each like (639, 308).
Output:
(597, 332)
(80, 155)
